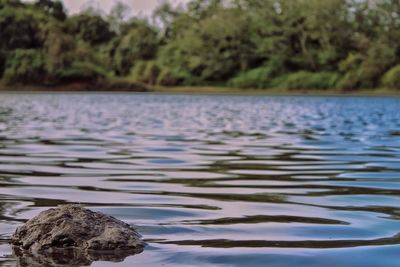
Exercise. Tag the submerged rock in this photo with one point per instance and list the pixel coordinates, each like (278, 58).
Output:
(78, 234)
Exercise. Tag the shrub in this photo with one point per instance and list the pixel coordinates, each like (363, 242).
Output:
(255, 78)
(150, 72)
(93, 29)
(168, 78)
(145, 72)
(25, 66)
(81, 72)
(138, 71)
(138, 41)
(19, 29)
(391, 79)
(2, 63)
(350, 67)
(364, 70)
(307, 80)
(351, 80)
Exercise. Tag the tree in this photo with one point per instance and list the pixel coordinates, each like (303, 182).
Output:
(26, 66)
(9, 3)
(118, 15)
(247, 43)
(53, 8)
(19, 28)
(60, 48)
(90, 28)
(211, 49)
(138, 41)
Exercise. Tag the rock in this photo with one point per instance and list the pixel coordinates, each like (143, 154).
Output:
(78, 233)
(394, 133)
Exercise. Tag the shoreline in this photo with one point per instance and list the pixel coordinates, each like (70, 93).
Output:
(210, 90)
(130, 87)
(105, 86)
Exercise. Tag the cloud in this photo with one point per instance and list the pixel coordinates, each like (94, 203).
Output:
(138, 6)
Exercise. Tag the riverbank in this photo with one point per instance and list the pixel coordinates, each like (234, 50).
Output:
(108, 86)
(277, 92)
(129, 86)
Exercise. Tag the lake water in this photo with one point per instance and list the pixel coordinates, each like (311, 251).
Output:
(212, 180)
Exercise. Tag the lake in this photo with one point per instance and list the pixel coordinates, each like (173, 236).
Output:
(212, 180)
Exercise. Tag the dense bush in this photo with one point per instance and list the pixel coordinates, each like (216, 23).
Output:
(150, 72)
(93, 29)
(168, 78)
(146, 72)
(212, 49)
(81, 72)
(52, 8)
(308, 80)
(365, 68)
(26, 66)
(350, 67)
(392, 78)
(2, 64)
(138, 42)
(19, 30)
(137, 71)
(350, 81)
(255, 78)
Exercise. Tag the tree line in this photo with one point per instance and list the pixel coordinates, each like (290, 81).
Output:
(291, 44)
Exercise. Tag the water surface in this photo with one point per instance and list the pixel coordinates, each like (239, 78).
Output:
(212, 180)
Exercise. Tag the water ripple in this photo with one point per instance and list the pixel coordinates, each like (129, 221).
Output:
(210, 180)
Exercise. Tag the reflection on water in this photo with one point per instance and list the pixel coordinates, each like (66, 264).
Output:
(212, 180)
(68, 257)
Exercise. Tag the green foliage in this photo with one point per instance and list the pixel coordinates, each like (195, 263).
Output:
(350, 67)
(138, 71)
(212, 49)
(308, 80)
(365, 68)
(168, 78)
(25, 66)
(294, 44)
(18, 29)
(146, 72)
(52, 8)
(9, 3)
(90, 28)
(255, 78)
(380, 57)
(2, 64)
(137, 42)
(60, 49)
(150, 72)
(81, 72)
(392, 78)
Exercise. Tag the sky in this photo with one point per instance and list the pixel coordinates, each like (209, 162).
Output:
(144, 7)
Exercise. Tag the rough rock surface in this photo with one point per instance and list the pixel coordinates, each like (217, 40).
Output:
(74, 227)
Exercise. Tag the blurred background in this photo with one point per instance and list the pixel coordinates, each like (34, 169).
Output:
(326, 45)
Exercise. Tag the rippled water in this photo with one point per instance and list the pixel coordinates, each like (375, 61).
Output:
(212, 180)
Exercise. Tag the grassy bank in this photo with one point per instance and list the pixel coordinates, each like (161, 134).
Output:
(124, 85)
(277, 92)
(105, 86)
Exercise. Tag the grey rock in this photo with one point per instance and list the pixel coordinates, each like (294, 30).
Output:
(78, 233)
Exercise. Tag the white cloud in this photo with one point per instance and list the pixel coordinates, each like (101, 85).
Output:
(143, 7)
